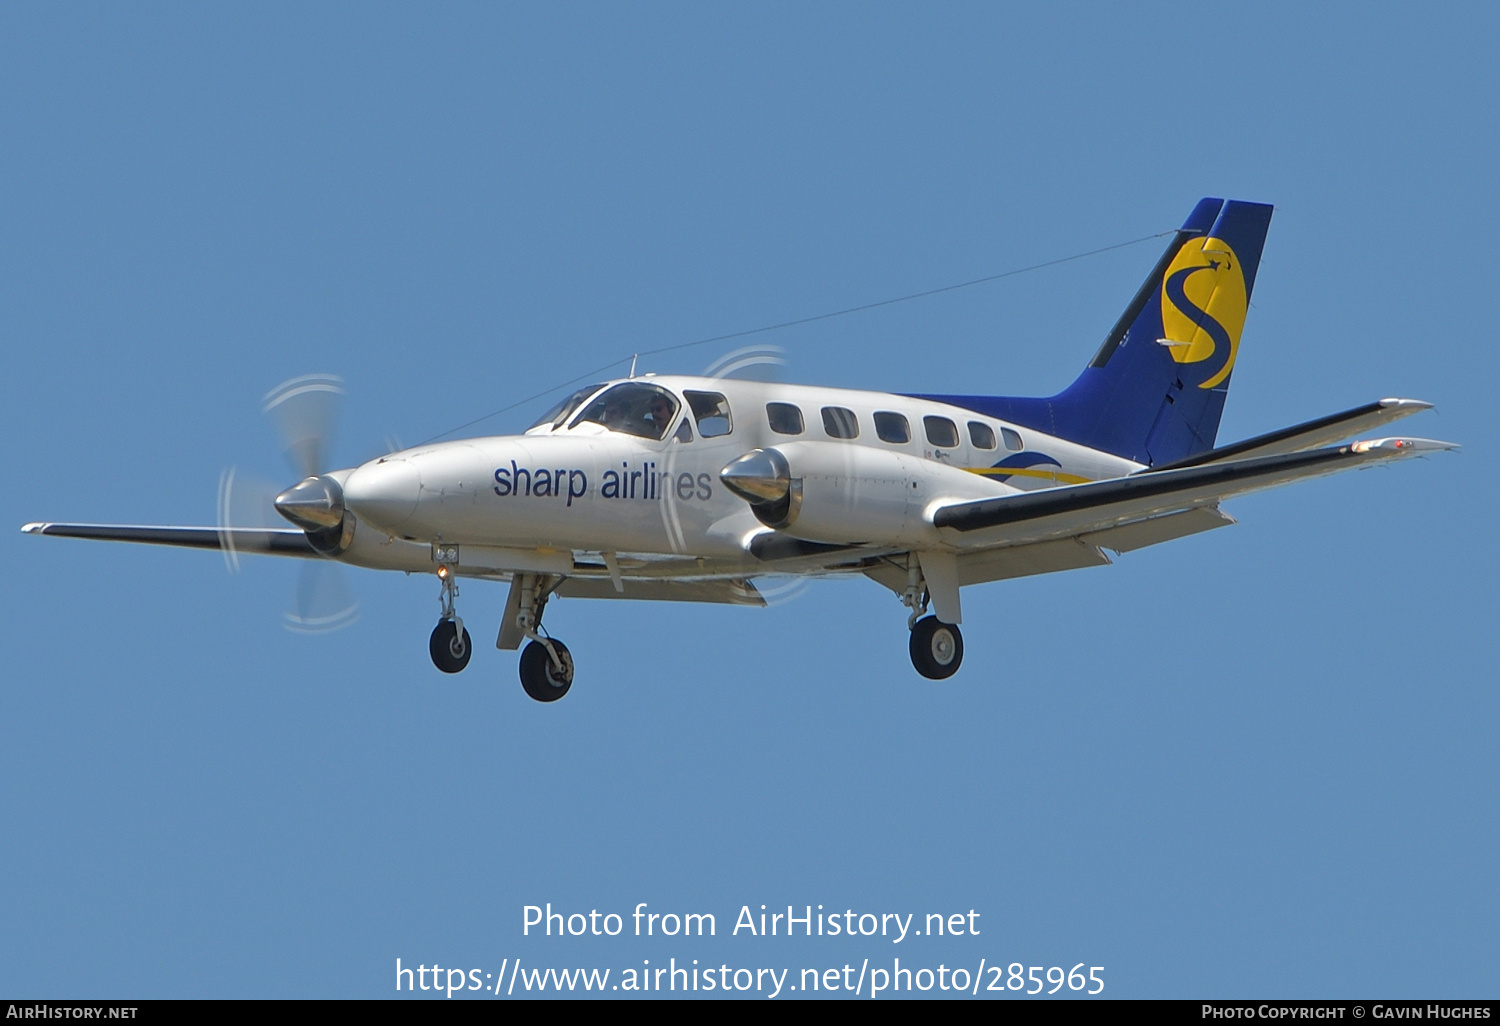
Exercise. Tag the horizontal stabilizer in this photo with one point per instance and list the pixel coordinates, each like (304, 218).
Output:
(1323, 431)
(274, 542)
(1078, 509)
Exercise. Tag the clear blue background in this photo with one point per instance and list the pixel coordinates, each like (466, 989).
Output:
(1259, 761)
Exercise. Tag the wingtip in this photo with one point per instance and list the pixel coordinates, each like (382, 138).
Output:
(33, 528)
(1413, 446)
(1415, 405)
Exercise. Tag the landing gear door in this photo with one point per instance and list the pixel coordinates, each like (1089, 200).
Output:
(511, 634)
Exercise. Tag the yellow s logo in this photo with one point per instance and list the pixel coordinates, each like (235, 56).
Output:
(1203, 305)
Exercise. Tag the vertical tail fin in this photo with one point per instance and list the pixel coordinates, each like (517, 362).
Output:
(1155, 390)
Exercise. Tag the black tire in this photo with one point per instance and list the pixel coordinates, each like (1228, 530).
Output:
(539, 677)
(450, 652)
(937, 648)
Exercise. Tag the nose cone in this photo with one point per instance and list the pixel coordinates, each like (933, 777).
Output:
(315, 504)
(384, 493)
(761, 475)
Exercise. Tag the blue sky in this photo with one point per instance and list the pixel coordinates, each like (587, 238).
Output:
(1254, 762)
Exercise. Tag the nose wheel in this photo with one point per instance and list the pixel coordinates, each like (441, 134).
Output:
(937, 648)
(449, 646)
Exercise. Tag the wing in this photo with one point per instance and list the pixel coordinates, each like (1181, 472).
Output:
(1323, 431)
(1070, 527)
(1075, 511)
(267, 541)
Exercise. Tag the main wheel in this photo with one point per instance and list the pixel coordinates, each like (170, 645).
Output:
(542, 680)
(937, 648)
(450, 651)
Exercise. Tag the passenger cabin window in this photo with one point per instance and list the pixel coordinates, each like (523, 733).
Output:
(941, 432)
(711, 411)
(981, 435)
(840, 423)
(1012, 440)
(892, 427)
(785, 419)
(563, 410)
(633, 408)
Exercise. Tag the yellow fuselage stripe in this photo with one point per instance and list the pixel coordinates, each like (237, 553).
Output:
(1046, 475)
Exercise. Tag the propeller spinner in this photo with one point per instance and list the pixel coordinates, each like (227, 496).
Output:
(315, 504)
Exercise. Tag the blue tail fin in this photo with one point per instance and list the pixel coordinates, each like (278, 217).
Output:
(1155, 390)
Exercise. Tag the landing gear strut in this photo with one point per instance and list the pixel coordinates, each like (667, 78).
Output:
(937, 648)
(449, 645)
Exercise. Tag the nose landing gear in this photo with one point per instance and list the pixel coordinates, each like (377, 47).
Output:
(449, 645)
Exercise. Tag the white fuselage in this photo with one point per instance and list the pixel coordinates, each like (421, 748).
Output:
(581, 485)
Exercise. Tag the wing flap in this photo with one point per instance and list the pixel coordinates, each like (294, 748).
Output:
(1026, 560)
(1103, 505)
(737, 592)
(1004, 563)
(1155, 530)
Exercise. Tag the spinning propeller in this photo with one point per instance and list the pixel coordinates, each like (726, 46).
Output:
(761, 363)
(304, 411)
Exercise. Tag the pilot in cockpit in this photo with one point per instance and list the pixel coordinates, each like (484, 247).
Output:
(661, 411)
(633, 408)
(616, 415)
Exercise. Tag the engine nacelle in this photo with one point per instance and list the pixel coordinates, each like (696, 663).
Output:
(845, 493)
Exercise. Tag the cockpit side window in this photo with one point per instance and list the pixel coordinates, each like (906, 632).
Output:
(711, 410)
(563, 410)
(633, 408)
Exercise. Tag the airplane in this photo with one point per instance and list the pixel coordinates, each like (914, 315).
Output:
(691, 488)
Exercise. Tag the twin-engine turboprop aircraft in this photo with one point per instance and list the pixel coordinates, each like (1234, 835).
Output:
(690, 488)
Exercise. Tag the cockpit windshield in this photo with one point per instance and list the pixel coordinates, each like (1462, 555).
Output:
(634, 408)
(563, 410)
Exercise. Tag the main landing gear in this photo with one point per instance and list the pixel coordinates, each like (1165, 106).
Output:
(546, 663)
(544, 679)
(937, 648)
(449, 645)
